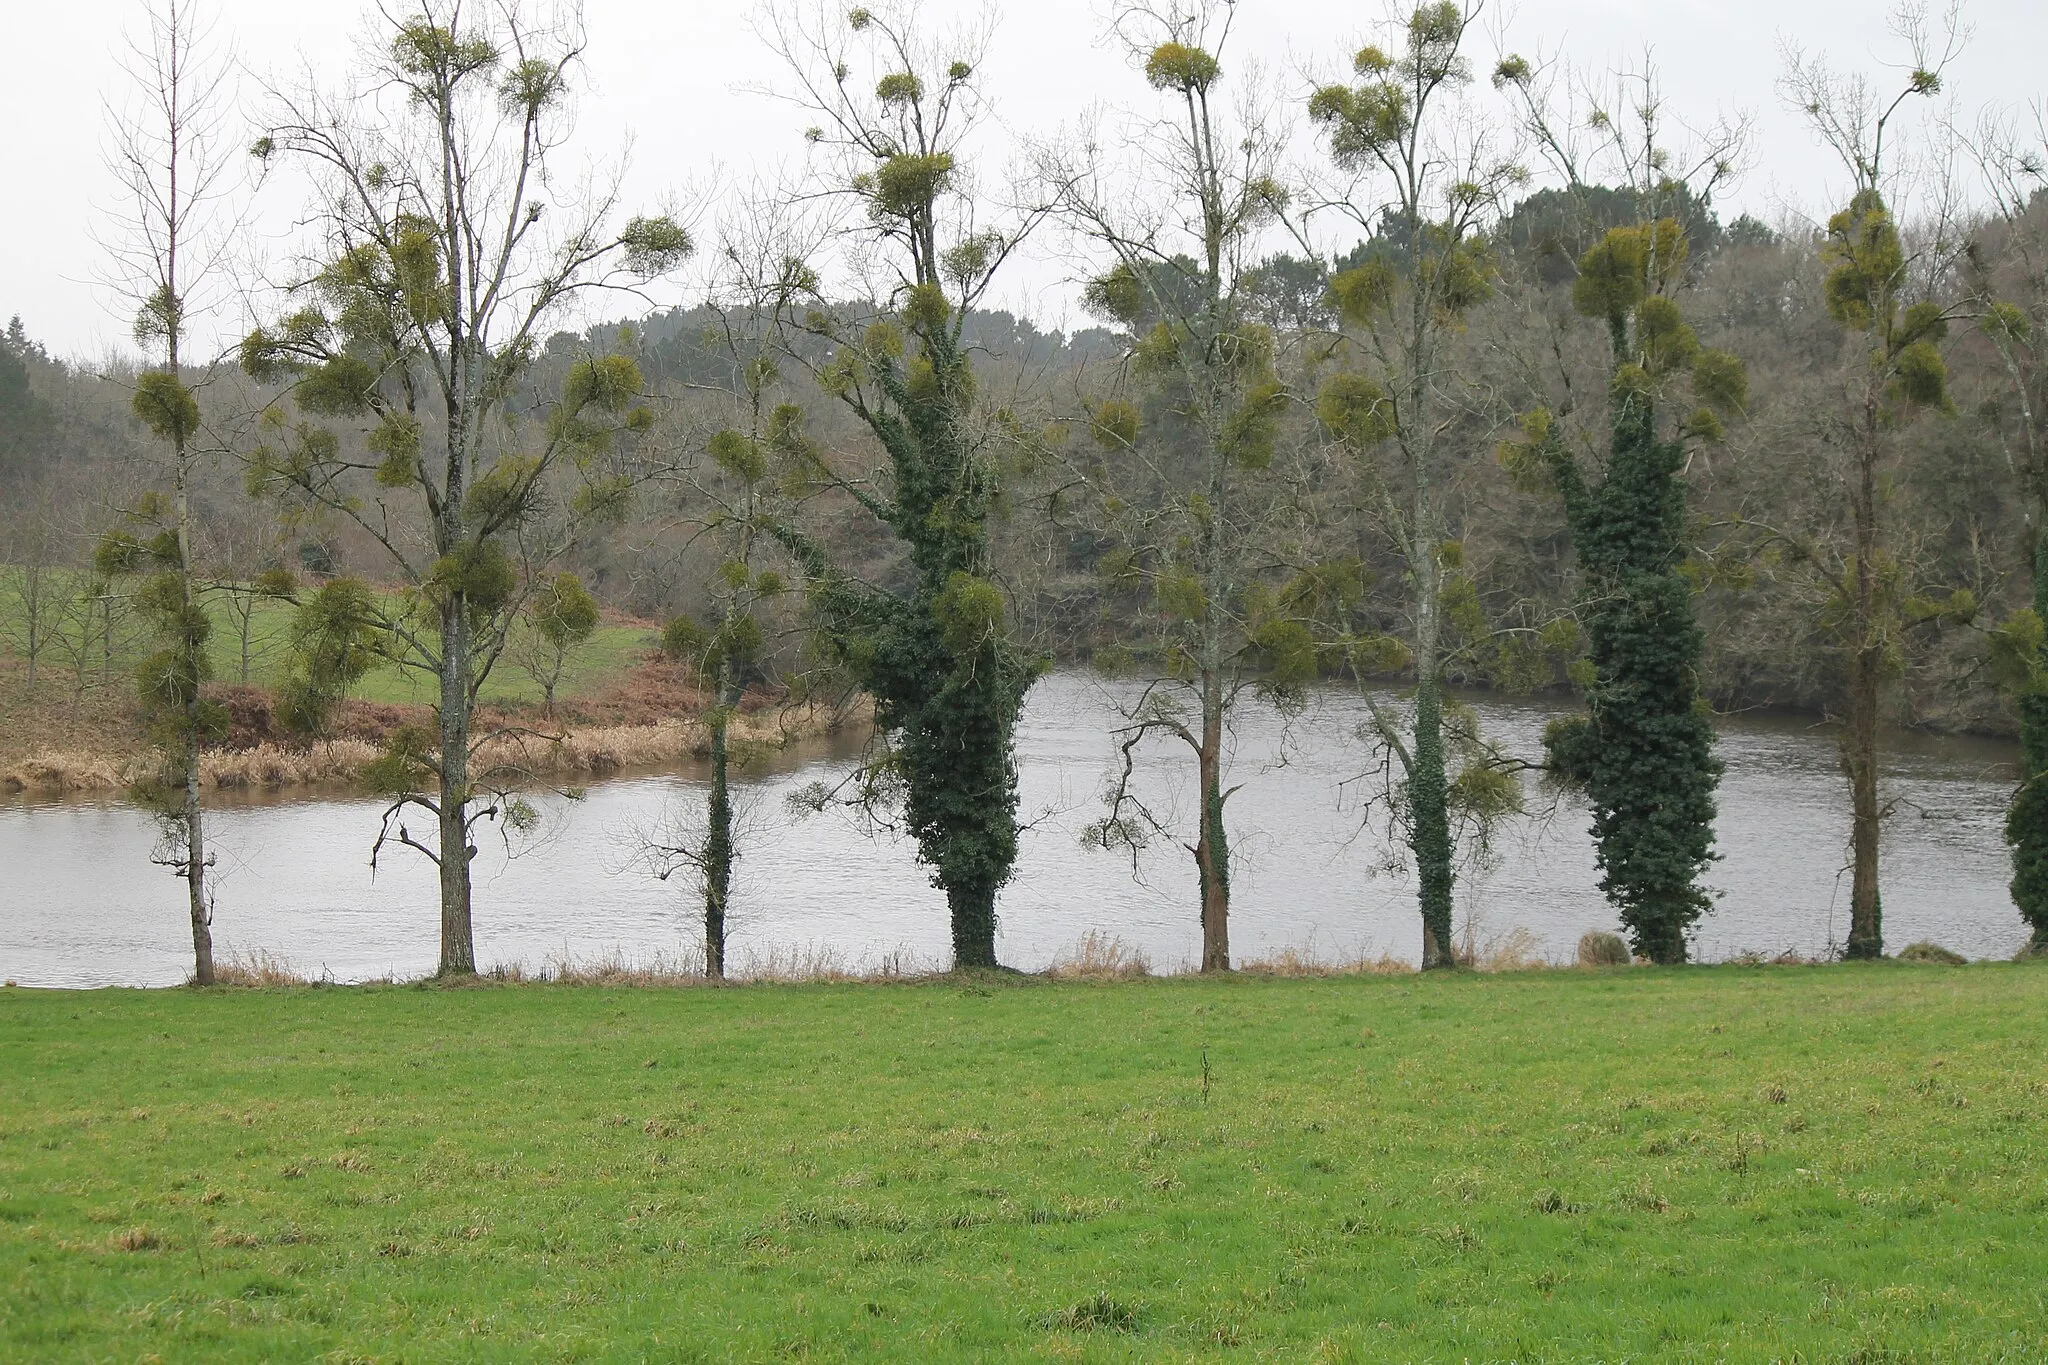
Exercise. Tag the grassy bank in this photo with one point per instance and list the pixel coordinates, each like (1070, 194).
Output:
(1817, 1164)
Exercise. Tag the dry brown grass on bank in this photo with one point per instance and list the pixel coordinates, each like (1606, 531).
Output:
(1100, 957)
(809, 964)
(529, 749)
(1299, 962)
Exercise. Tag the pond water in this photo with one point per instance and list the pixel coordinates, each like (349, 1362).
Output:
(83, 906)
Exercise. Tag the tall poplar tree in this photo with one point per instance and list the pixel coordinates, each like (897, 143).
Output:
(170, 160)
(1881, 296)
(1427, 168)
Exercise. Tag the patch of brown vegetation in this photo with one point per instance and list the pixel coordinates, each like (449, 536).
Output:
(52, 718)
(1294, 962)
(1100, 957)
(647, 719)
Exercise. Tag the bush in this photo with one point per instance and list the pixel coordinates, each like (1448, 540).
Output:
(1925, 951)
(1597, 948)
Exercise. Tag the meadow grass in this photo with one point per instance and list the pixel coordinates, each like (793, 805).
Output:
(1711, 1164)
(611, 651)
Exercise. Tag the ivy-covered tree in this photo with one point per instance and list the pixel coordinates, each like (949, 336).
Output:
(933, 646)
(1882, 297)
(1427, 167)
(449, 242)
(729, 501)
(1190, 486)
(1643, 753)
(2009, 278)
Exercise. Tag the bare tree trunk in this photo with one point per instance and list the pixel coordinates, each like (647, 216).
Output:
(195, 868)
(248, 627)
(189, 814)
(458, 944)
(718, 834)
(1860, 763)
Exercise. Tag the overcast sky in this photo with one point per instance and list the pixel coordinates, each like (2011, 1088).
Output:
(668, 74)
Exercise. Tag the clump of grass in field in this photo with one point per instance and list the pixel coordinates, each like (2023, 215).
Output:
(1293, 962)
(1926, 951)
(1100, 957)
(1598, 948)
(1099, 1312)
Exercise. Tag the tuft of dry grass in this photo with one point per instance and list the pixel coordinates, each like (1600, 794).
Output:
(778, 965)
(1517, 950)
(1100, 957)
(1303, 962)
(1598, 948)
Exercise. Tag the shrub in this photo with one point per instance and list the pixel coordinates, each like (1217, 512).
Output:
(1598, 948)
(1927, 951)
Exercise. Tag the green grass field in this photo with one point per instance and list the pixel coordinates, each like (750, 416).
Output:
(79, 641)
(1724, 1164)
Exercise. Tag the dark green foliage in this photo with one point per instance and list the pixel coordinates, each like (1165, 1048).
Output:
(2026, 823)
(1644, 752)
(947, 679)
(27, 420)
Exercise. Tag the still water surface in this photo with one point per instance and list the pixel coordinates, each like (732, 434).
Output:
(81, 904)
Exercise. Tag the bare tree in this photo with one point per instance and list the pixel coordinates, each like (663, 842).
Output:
(170, 155)
(1883, 292)
(2008, 275)
(1197, 484)
(451, 239)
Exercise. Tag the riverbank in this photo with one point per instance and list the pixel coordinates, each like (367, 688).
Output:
(61, 742)
(1693, 1165)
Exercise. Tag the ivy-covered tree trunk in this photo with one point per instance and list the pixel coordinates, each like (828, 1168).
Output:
(1429, 791)
(1212, 844)
(962, 798)
(1864, 690)
(718, 827)
(1430, 833)
(2026, 824)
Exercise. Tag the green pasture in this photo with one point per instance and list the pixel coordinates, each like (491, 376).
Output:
(84, 642)
(1834, 1164)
